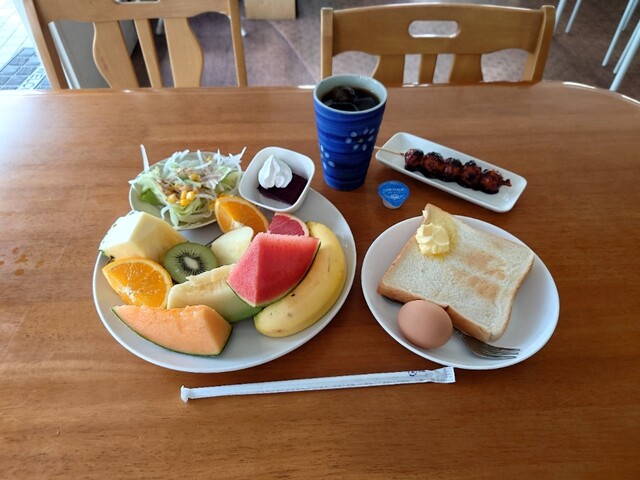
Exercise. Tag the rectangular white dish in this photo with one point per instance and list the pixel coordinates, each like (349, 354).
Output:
(503, 201)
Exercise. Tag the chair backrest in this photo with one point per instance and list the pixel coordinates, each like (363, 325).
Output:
(109, 48)
(383, 31)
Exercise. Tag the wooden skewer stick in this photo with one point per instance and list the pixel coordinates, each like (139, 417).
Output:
(388, 151)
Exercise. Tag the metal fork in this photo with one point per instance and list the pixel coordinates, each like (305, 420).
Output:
(485, 350)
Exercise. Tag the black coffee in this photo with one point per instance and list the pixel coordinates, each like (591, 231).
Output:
(350, 99)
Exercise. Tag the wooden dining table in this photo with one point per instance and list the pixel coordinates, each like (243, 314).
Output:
(75, 404)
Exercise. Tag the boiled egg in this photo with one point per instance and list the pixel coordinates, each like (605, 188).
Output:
(424, 324)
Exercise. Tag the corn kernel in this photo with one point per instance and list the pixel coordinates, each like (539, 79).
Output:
(190, 196)
(183, 194)
(184, 202)
(195, 177)
(172, 198)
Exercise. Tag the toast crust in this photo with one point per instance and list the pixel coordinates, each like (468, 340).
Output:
(476, 282)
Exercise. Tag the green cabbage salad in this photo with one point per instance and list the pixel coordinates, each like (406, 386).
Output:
(187, 184)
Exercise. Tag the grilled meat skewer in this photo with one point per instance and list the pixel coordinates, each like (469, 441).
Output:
(469, 174)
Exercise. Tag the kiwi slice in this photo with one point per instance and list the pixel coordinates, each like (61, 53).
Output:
(188, 258)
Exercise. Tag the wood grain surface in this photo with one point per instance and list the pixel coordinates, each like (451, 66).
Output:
(74, 403)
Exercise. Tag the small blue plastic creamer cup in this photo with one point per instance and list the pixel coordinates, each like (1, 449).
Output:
(393, 193)
(347, 138)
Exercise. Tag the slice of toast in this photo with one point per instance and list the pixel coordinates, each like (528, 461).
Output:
(476, 281)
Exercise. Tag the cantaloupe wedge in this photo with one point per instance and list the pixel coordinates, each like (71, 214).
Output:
(194, 330)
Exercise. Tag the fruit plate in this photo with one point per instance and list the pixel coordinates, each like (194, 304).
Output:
(246, 348)
(156, 210)
(503, 201)
(533, 318)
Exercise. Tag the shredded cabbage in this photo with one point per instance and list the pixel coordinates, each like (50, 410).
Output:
(207, 175)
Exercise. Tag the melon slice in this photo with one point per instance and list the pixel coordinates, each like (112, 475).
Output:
(211, 288)
(271, 267)
(287, 224)
(194, 330)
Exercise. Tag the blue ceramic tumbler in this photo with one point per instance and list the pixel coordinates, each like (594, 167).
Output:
(347, 138)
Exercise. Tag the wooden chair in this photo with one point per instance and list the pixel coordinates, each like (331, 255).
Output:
(109, 49)
(384, 31)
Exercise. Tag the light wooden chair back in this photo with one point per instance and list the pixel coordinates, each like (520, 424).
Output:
(383, 31)
(109, 49)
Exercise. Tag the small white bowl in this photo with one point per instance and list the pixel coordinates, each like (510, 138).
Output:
(300, 164)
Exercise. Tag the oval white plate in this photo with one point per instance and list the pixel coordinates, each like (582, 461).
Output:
(503, 201)
(246, 347)
(533, 318)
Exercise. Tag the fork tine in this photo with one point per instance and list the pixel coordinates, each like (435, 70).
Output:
(486, 350)
(485, 353)
(492, 349)
(497, 349)
(493, 354)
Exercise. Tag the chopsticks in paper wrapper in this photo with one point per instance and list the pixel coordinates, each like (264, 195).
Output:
(441, 375)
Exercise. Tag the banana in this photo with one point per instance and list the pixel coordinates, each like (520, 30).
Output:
(314, 295)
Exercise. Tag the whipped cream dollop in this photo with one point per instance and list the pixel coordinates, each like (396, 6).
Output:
(274, 173)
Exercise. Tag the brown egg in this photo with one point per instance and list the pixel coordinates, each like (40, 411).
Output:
(425, 324)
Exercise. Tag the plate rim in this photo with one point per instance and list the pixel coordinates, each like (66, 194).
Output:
(471, 196)
(291, 343)
(479, 364)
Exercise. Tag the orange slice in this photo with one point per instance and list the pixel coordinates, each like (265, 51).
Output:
(139, 281)
(234, 212)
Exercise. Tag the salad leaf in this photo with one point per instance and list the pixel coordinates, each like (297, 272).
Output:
(187, 184)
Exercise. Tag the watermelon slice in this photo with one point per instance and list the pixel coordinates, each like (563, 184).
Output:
(287, 224)
(271, 267)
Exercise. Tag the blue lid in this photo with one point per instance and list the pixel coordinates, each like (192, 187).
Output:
(393, 193)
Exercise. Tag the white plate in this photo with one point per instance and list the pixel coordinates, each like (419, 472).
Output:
(140, 206)
(533, 318)
(503, 201)
(246, 347)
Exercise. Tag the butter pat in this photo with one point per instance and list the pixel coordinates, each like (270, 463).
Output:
(432, 239)
(140, 235)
